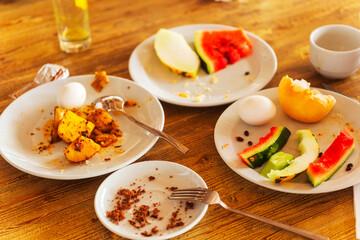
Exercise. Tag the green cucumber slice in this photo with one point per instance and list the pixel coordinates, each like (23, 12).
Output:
(277, 161)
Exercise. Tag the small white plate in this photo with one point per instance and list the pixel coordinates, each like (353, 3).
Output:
(167, 175)
(22, 122)
(146, 69)
(345, 113)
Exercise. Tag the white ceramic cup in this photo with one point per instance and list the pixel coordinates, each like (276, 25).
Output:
(335, 50)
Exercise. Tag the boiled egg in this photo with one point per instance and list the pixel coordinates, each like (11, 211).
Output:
(71, 95)
(256, 110)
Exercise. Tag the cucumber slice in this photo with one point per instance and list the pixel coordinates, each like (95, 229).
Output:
(277, 161)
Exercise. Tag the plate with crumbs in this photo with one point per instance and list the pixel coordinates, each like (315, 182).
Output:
(133, 201)
(24, 127)
(247, 75)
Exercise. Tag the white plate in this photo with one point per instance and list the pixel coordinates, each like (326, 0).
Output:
(167, 175)
(146, 69)
(346, 111)
(23, 119)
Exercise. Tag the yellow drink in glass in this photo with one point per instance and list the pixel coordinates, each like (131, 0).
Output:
(72, 21)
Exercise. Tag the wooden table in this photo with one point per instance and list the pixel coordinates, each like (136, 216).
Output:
(37, 208)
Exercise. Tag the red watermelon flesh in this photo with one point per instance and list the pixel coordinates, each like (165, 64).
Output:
(219, 48)
(332, 159)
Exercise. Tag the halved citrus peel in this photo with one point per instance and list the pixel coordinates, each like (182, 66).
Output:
(302, 103)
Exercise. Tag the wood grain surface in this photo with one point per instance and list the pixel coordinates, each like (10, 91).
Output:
(37, 208)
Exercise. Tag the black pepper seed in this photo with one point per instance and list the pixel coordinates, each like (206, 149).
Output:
(320, 154)
(247, 73)
(349, 167)
(239, 139)
(250, 143)
(246, 133)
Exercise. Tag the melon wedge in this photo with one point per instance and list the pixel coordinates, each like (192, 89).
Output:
(175, 53)
(218, 48)
(332, 159)
(309, 150)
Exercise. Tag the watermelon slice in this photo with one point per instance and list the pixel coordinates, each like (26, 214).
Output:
(219, 48)
(254, 156)
(332, 159)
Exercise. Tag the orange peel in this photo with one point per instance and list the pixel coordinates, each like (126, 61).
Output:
(302, 103)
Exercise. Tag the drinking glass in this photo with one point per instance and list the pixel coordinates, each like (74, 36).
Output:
(72, 22)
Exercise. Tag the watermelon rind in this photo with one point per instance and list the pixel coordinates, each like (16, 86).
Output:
(317, 178)
(206, 62)
(258, 154)
(309, 151)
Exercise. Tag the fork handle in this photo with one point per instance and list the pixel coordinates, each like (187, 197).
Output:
(289, 228)
(158, 133)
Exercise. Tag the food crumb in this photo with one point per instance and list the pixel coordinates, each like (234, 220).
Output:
(225, 146)
(173, 81)
(184, 94)
(130, 103)
(214, 79)
(226, 95)
(199, 98)
(189, 205)
(250, 143)
(349, 167)
(151, 178)
(246, 73)
(171, 188)
(239, 139)
(175, 221)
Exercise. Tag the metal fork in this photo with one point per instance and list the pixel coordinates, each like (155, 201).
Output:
(207, 196)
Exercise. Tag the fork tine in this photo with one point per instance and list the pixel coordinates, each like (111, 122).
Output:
(182, 198)
(190, 190)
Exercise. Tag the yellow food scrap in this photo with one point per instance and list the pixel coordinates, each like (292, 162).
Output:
(81, 149)
(208, 89)
(225, 146)
(226, 95)
(214, 79)
(58, 114)
(72, 126)
(100, 81)
(184, 94)
(199, 98)
(174, 81)
(252, 79)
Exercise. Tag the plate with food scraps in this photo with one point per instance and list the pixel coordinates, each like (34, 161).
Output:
(232, 136)
(26, 126)
(133, 201)
(247, 75)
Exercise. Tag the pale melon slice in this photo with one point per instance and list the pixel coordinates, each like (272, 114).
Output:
(175, 53)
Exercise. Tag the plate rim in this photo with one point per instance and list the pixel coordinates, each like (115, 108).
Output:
(100, 190)
(228, 100)
(50, 175)
(314, 190)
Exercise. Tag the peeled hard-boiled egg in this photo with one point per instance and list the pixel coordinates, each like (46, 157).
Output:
(71, 95)
(256, 110)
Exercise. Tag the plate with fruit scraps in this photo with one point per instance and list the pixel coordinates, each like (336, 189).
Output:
(232, 136)
(25, 127)
(248, 75)
(130, 193)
